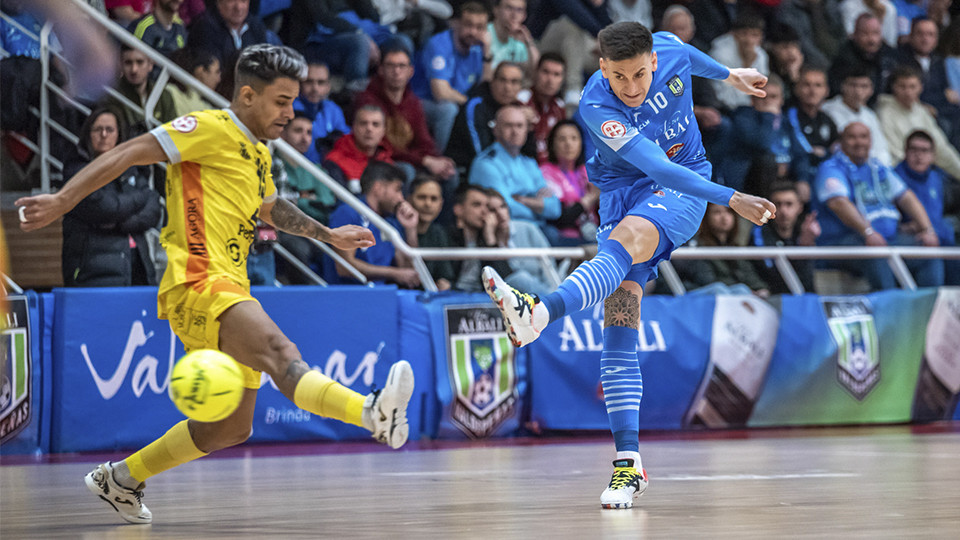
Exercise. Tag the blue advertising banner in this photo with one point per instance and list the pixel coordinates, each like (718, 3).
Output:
(673, 349)
(114, 357)
(21, 396)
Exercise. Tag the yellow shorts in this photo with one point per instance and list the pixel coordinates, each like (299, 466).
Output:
(193, 311)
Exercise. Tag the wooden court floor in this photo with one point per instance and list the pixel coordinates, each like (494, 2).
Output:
(892, 482)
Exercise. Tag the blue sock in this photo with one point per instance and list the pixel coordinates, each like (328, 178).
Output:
(591, 282)
(622, 385)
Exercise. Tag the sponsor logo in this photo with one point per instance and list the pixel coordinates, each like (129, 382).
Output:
(672, 128)
(676, 86)
(589, 336)
(854, 331)
(235, 252)
(658, 205)
(15, 377)
(613, 128)
(244, 153)
(673, 150)
(482, 369)
(185, 124)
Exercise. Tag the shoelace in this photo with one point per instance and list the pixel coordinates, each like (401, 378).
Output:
(622, 476)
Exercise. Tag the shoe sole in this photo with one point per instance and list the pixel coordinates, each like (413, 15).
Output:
(395, 397)
(95, 489)
(490, 277)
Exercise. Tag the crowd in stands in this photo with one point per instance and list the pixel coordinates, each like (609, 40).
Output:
(456, 122)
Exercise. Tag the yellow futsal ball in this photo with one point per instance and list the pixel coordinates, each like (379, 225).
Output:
(206, 385)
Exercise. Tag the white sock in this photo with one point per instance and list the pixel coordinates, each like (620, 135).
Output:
(635, 456)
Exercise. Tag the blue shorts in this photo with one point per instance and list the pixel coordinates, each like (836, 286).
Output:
(675, 215)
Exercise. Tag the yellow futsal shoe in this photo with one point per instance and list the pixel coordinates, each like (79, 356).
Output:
(385, 410)
(523, 314)
(124, 500)
(626, 485)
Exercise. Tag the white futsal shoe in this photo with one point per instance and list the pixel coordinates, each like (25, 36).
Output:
(626, 485)
(385, 410)
(124, 500)
(524, 315)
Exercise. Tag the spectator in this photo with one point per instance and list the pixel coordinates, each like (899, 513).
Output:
(740, 48)
(565, 173)
(812, 132)
(883, 10)
(759, 142)
(857, 200)
(204, 67)
(863, 52)
(191, 10)
(104, 244)
(589, 15)
(851, 106)
(407, 130)
(426, 197)
(525, 272)
(577, 47)
(544, 100)
(907, 11)
(919, 52)
(136, 86)
(927, 181)
(515, 176)
(786, 57)
(902, 113)
(328, 121)
(630, 10)
(720, 227)
(417, 20)
(125, 11)
(787, 229)
(382, 190)
(449, 66)
(818, 29)
(352, 152)
(678, 20)
(224, 31)
(473, 128)
(311, 195)
(162, 28)
(951, 51)
(510, 40)
(475, 226)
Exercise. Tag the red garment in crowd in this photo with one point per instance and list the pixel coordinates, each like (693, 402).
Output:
(352, 161)
(548, 113)
(407, 130)
(140, 6)
(191, 9)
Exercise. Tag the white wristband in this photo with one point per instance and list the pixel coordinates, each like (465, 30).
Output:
(868, 231)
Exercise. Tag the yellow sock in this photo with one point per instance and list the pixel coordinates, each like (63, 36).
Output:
(175, 447)
(319, 394)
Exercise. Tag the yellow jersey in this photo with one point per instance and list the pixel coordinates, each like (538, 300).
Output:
(218, 176)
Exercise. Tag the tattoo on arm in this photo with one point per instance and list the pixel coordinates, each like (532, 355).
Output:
(622, 308)
(295, 370)
(288, 218)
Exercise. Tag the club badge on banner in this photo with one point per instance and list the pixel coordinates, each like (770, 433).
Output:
(16, 376)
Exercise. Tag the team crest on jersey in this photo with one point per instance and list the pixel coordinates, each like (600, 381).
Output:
(482, 369)
(185, 124)
(612, 128)
(854, 331)
(673, 150)
(438, 62)
(676, 86)
(16, 388)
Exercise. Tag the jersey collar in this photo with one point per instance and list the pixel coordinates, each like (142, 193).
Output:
(246, 131)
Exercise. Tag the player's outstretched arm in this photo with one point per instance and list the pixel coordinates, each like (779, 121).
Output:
(285, 216)
(747, 80)
(39, 211)
(753, 208)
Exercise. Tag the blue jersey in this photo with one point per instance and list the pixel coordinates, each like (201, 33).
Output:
(441, 60)
(657, 143)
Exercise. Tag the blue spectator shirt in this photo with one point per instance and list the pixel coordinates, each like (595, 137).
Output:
(928, 187)
(440, 60)
(496, 168)
(659, 141)
(327, 117)
(872, 187)
(380, 254)
(17, 43)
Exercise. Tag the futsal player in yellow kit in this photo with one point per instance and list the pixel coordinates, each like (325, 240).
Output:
(218, 184)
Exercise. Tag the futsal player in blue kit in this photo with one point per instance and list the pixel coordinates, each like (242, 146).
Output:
(654, 179)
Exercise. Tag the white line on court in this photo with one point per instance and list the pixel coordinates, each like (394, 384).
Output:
(714, 477)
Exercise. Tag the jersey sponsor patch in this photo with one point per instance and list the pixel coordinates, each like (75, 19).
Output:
(438, 62)
(613, 128)
(674, 149)
(185, 124)
(676, 86)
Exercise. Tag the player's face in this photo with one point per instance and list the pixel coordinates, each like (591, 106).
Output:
(136, 67)
(907, 90)
(549, 79)
(104, 133)
(272, 108)
(788, 207)
(919, 156)
(209, 75)
(299, 134)
(427, 201)
(630, 79)
(316, 87)
(567, 143)
(368, 130)
(855, 142)
(812, 88)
